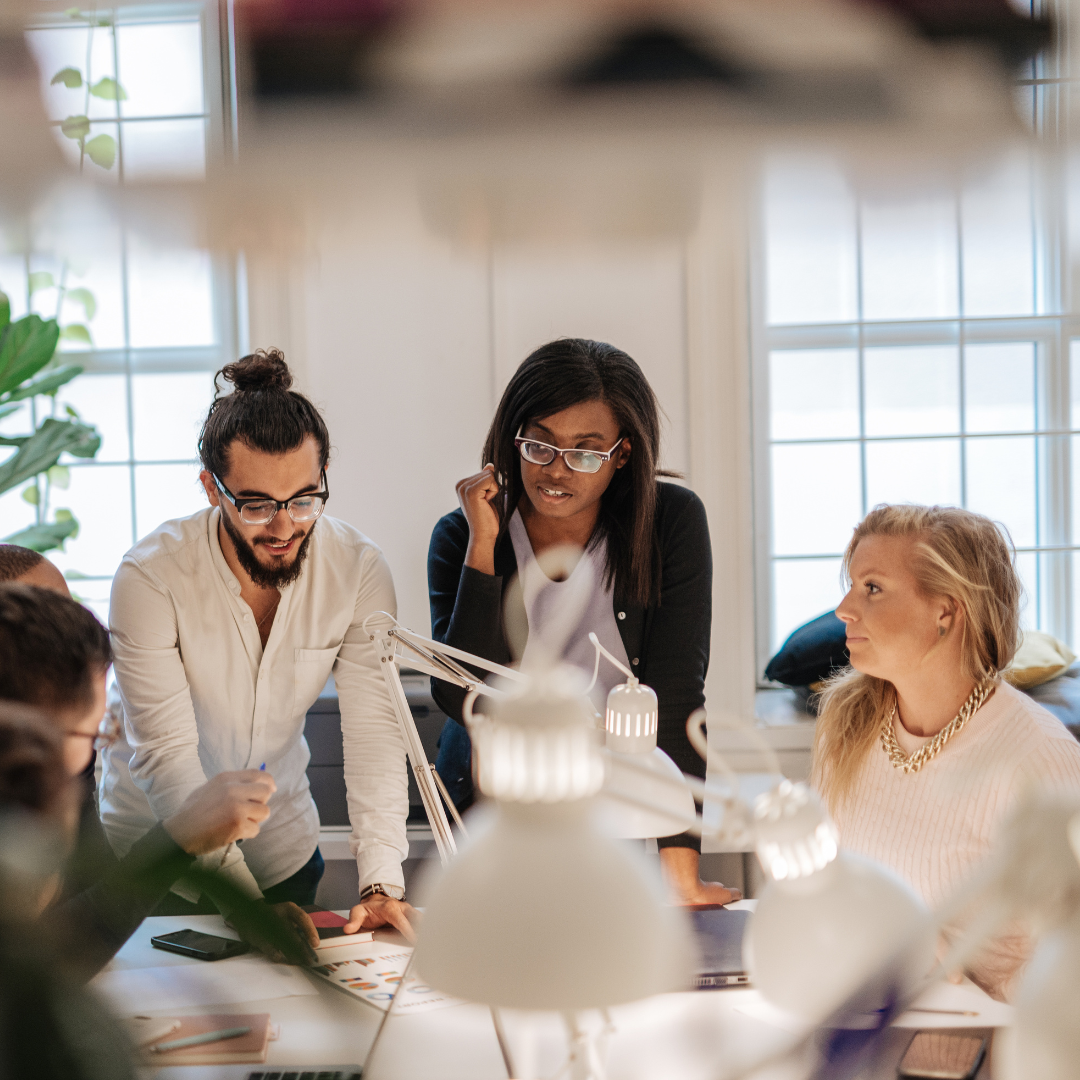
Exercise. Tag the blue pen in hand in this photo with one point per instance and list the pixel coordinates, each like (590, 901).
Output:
(262, 767)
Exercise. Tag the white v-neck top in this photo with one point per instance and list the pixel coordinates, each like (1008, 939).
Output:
(202, 696)
(541, 595)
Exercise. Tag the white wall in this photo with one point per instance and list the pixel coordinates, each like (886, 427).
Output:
(406, 343)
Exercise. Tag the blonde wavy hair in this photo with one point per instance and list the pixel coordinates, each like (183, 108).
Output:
(958, 554)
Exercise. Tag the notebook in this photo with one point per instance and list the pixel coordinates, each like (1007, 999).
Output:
(719, 934)
(329, 924)
(244, 1049)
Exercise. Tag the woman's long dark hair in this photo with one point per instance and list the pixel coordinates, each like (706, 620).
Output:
(568, 372)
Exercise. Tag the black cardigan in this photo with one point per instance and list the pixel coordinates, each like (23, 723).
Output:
(667, 644)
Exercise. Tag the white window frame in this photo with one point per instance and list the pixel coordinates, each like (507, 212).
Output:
(228, 286)
(1050, 608)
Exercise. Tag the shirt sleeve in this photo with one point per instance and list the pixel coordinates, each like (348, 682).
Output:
(159, 718)
(466, 607)
(375, 771)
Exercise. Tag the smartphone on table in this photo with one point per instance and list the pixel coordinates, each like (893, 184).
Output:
(200, 946)
(943, 1055)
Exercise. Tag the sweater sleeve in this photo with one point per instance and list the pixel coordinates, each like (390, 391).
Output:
(92, 925)
(466, 606)
(677, 642)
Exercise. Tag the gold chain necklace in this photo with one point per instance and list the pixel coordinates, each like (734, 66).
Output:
(930, 750)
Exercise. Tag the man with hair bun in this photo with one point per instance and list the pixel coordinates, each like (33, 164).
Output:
(226, 626)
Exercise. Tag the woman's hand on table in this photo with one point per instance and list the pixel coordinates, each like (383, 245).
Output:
(476, 494)
(682, 867)
(379, 910)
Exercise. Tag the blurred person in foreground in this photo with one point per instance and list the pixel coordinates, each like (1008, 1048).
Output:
(55, 655)
(921, 749)
(227, 625)
(49, 1026)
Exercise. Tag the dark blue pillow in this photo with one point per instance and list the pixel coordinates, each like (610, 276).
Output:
(811, 653)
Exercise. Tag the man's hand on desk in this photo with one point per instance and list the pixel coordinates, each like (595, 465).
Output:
(231, 806)
(293, 943)
(379, 910)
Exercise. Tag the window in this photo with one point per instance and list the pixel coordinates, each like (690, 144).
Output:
(913, 344)
(149, 322)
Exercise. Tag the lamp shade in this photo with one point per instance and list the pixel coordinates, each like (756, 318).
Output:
(630, 719)
(671, 807)
(828, 918)
(540, 909)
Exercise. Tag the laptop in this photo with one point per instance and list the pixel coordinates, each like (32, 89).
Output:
(719, 934)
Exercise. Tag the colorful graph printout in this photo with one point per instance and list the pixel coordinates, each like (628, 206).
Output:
(376, 977)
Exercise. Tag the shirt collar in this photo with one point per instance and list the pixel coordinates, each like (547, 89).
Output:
(231, 582)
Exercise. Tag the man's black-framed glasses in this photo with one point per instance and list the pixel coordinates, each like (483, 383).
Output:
(261, 511)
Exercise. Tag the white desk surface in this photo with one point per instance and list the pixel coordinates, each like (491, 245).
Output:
(682, 1036)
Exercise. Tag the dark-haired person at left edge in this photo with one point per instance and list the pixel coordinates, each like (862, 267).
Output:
(226, 626)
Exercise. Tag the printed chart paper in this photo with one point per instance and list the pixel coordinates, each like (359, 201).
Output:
(374, 978)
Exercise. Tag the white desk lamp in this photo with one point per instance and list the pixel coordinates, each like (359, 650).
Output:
(630, 727)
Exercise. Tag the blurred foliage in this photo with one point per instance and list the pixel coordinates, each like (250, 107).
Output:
(27, 370)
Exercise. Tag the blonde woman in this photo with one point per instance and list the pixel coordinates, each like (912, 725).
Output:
(921, 749)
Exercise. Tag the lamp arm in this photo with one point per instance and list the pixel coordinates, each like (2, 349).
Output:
(596, 667)
(696, 721)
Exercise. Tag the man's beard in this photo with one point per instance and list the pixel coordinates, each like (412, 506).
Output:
(263, 576)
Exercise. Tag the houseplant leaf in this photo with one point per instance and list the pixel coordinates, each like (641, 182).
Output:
(46, 537)
(40, 451)
(109, 90)
(26, 346)
(5, 311)
(41, 279)
(101, 150)
(75, 127)
(69, 76)
(60, 476)
(86, 298)
(76, 332)
(47, 384)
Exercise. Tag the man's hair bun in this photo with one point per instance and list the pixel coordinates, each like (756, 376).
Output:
(264, 369)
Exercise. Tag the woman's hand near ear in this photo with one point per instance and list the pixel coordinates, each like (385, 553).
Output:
(477, 497)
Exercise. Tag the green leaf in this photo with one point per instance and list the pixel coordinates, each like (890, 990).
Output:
(73, 13)
(75, 127)
(101, 150)
(72, 412)
(60, 476)
(5, 311)
(46, 537)
(26, 346)
(47, 384)
(84, 297)
(109, 90)
(41, 279)
(41, 451)
(69, 76)
(76, 332)
(7, 410)
(31, 495)
(72, 575)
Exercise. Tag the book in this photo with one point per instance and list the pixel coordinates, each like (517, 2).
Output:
(246, 1049)
(330, 926)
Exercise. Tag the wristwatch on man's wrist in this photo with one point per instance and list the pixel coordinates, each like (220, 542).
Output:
(395, 892)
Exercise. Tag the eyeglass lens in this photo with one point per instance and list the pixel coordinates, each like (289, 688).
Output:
(579, 460)
(262, 513)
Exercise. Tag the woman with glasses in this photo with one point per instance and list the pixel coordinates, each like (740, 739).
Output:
(573, 460)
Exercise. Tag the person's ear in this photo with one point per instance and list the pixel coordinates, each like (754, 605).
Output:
(207, 480)
(622, 455)
(950, 617)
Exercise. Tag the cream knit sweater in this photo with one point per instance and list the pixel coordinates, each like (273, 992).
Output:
(933, 826)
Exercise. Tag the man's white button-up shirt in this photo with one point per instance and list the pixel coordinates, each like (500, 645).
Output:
(201, 696)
